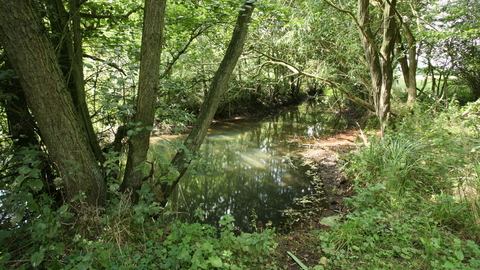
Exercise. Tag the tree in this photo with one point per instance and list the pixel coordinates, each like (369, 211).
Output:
(379, 59)
(409, 42)
(67, 39)
(459, 24)
(408, 62)
(212, 100)
(147, 93)
(61, 112)
(28, 48)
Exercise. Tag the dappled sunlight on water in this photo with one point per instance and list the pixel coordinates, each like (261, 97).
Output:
(248, 167)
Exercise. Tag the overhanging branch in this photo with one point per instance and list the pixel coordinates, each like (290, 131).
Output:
(349, 13)
(109, 16)
(335, 85)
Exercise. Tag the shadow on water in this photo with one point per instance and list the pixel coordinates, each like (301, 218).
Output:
(247, 168)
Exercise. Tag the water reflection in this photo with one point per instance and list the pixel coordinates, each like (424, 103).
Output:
(251, 168)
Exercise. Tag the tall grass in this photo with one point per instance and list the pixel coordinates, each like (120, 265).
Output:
(417, 196)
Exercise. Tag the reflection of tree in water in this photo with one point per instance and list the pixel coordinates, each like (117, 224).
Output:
(250, 173)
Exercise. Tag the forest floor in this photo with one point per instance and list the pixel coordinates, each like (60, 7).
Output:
(326, 159)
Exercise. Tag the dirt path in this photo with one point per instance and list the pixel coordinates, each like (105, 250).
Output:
(323, 157)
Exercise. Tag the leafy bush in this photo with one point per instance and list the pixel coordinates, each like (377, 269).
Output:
(129, 238)
(376, 239)
(416, 203)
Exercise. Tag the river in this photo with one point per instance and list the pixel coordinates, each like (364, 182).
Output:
(249, 168)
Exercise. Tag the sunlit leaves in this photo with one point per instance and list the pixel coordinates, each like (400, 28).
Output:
(451, 41)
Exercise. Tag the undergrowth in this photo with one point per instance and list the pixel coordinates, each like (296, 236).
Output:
(416, 206)
(417, 201)
(124, 237)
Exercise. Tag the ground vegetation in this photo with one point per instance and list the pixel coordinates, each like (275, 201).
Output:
(83, 88)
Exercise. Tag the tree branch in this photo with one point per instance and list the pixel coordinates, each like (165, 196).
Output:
(109, 16)
(349, 13)
(333, 84)
(113, 65)
(196, 33)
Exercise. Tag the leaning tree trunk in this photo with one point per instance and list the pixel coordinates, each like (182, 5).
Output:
(147, 95)
(212, 100)
(78, 91)
(379, 59)
(33, 58)
(67, 39)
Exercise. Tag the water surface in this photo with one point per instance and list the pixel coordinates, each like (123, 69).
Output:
(249, 168)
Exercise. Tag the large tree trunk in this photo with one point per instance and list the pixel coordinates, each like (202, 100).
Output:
(79, 82)
(23, 131)
(147, 95)
(212, 100)
(379, 59)
(67, 39)
(34, 60)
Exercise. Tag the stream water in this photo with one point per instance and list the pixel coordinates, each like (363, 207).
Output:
(249, 167)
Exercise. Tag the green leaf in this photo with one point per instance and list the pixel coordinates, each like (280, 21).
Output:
(4, 257)
(297, 260)
(63, 209)
(459, 255)
(130, 133)
(36, 184)
(24, 169)
(449, 265)
(215, 261)
(87, 257)
(331, 249)
(199, 261)
(37, 258)
(18, 181)
(58, 248)
(184, 254)
(207, 247)
(82, 266)
(4, 234)
(331, 221)
(103, 257)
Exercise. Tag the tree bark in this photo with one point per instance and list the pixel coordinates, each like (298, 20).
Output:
(147, 95)
(408, 64)
(212, 100)
(379, 60)
(79, 82)
(68, 42)
(412, 61)
(34, 60)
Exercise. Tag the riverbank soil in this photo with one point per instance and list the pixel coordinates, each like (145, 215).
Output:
(324, 159)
